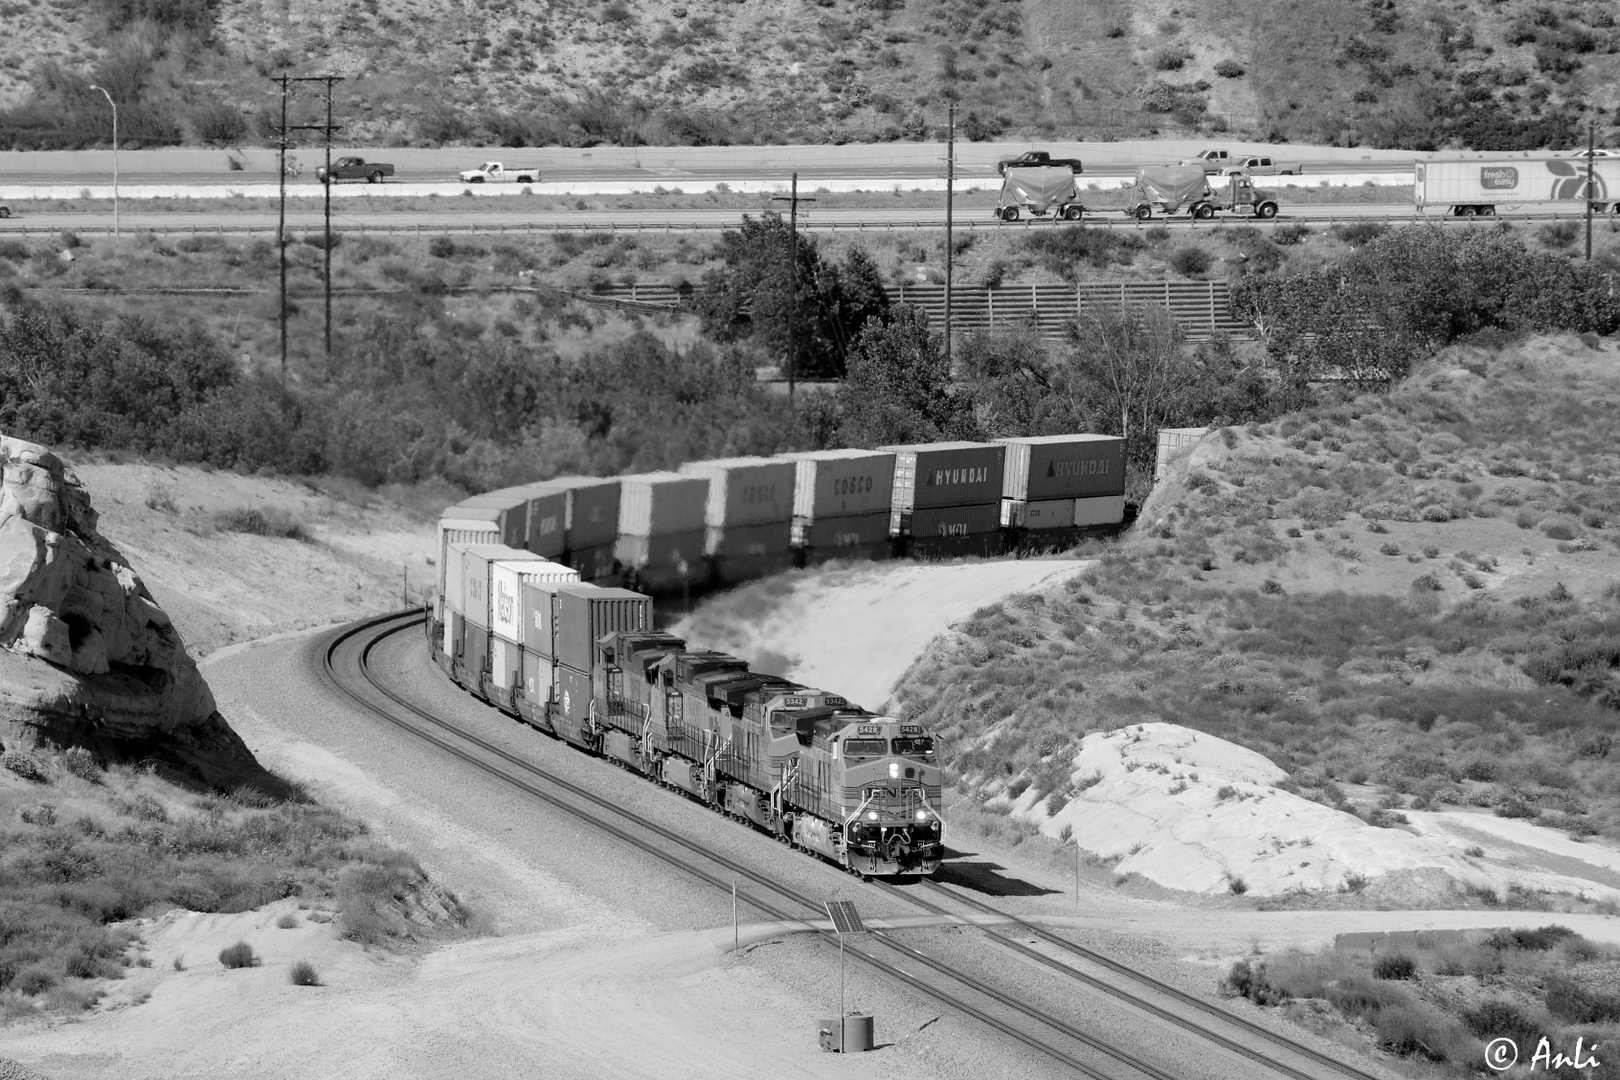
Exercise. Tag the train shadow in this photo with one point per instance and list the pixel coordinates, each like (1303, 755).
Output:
(965, 871)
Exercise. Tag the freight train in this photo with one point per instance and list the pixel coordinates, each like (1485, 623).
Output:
(532, 614)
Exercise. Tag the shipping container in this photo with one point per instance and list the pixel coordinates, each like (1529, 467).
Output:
(545, 517)
(1045, 467)
(591, 509)
(455, 631)
(474, 656)
(460, 531)
(740, 540)
(506, 588)
(841, 483)
(1047, 514)
(947, 474)
(662, 504)
(595, 564)
(952, 521)
(537, 609)
(953, 547)
(573, 703)
(671, 552)
(746, 490)
(539, 674)
(585, 614)
(507, 510)
(1102, 510)
(1476, 186)
(505, 664)
(1173, 442)
(841, 532)
(477, 562)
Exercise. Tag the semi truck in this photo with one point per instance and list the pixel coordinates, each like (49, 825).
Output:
(1476, 187)
(1039, 191)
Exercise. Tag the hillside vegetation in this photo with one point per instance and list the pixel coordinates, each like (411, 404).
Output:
(1412, 596)
(1509, 74)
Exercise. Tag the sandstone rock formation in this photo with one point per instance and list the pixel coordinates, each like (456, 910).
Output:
(87, 657)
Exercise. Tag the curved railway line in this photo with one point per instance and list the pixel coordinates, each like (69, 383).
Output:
(345, 664)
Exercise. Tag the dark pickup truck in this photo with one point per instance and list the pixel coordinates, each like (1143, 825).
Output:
(1039, 157)
(353, 168)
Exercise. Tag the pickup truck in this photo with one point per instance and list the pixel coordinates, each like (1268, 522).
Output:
(1264, 166)
(1213, 161)
(353, 168)
(494, 171)
(1039, 159)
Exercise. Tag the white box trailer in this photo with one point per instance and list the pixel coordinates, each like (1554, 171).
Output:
(1476, 187)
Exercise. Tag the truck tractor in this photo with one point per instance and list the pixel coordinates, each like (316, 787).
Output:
(1236, 196)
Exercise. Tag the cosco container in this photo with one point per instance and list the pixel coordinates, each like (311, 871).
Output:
(505, 664)
(591, 509)
(461, 531)
(506, 588)
(508, 510)
(745, 490)
(1101, 510)
(661, 504)
(1174, 442)
(953, 520)
(1048, 514)
(842, 483)
(1043, 467)
(676, 551)
(736, 540)
(947, 474)
(586, 614)
(477, 561)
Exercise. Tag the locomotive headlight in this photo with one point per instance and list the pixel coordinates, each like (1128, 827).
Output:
(922, 815)
(894, 770)
(871, 815)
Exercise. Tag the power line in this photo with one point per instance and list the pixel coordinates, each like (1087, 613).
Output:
(326, 129)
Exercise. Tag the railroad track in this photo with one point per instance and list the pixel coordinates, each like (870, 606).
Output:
(345, 663)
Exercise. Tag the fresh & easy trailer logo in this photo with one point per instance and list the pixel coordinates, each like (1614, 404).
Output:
(1498, 177)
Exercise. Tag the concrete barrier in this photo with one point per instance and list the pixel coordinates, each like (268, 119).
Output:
(1411, 939)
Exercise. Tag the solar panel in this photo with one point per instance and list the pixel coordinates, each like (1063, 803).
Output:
(845, 919)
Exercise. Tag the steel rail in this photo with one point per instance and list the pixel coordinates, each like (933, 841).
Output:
(410, 619)
(1125, 995)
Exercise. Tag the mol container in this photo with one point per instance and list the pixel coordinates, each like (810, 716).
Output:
(1044, 467)
(841, 483)
(506, 580)
(461, 531)
(1174, 442)
(585, 614)
(1099, 511)
(957, 521)
(947, 474)
(477, 563)
(745, 490)
(590, 509)
(662, 504)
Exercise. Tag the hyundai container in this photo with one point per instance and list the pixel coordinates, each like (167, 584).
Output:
(1173, 442)
(842, 483)
(745, 490)
(585, 614)
(947, 474)
(506, 581)
(1045, 467)
(477, 562)
(1048, 514)
(591, 509)
(1099, 510)
(662, 504)
(461, 531)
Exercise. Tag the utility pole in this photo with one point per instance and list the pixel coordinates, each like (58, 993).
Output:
(114, 105)
(326, 129)
(793, 297)
(281, 221)
(1591, 188)
(950, 252)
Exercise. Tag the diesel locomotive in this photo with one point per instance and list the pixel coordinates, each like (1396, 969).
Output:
(806, 766)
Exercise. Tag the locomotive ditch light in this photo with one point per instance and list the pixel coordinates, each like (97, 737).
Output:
(871, 815)
(922, 815)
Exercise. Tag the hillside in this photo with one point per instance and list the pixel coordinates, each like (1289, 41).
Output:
(1504, 75)
(1406, 602)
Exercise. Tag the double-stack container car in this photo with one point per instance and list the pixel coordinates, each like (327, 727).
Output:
(841, 504)
(662, 530)
(801, 764)
(590, 524)
(748, 518)
(1057, 487)
(947, 499)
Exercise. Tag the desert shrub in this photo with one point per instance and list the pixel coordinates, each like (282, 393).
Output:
(24, 765)
(272, 521)
(287, 921)
(1416, 1030)
(1530, 939)
(1500, 1018)
(303, 974)
(1357, 233)
(82, 763)
(1237, 886)
(1190, 261)
(1393, 966)
(1229, 69)
(239, 955)
(1577, 1001)
(1427, 583)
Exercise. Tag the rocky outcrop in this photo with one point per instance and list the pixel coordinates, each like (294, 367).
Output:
(87, 657)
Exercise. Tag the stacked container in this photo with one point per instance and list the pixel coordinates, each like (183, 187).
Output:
(661, 529)
(748, 516)
(1056, 485)
(562, 625)
(947, 498)
(590, 523)
(842, 501)
(471, 595)
(457, 530)
(1172, 443)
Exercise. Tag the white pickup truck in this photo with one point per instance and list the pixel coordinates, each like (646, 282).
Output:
(1264, 166)
(494, 171)
(1213, 161)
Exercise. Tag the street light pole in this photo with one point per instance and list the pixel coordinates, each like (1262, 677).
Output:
(114, 105)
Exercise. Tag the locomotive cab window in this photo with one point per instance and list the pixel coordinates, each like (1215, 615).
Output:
(865, 749)
(914, 748)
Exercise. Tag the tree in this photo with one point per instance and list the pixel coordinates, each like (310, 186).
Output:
(899, 389)
(1125, 361)
(1012, 381)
